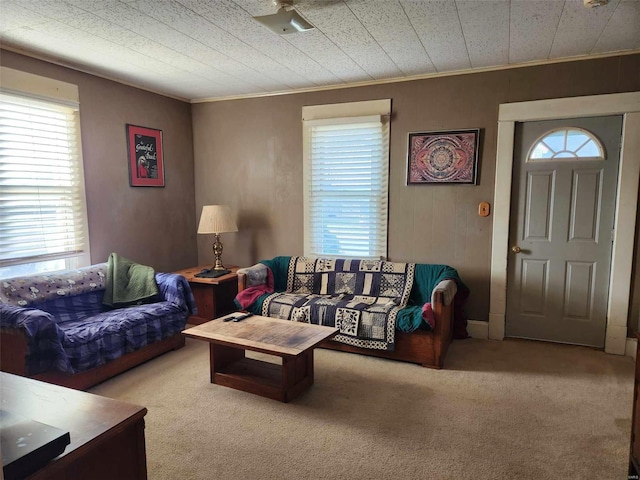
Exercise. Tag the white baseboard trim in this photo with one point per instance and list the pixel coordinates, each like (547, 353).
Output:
(631, 347)
(478, 329)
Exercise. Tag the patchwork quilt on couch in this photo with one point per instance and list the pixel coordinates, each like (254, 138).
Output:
(359, 297)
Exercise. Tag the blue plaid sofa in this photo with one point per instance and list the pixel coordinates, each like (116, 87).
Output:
(54, 327)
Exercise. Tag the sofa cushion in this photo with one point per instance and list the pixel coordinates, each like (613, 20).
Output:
(76, 307)
(373, 278)
(97, 340)
(362, 320)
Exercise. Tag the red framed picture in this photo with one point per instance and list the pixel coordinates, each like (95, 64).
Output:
(146, 163)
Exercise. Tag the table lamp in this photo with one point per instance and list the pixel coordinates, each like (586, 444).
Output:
(217, 219)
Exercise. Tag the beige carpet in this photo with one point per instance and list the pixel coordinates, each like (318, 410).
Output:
(500, 410)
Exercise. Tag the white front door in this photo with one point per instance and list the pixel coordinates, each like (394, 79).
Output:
(563, 207)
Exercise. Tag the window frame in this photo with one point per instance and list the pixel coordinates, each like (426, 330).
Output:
(59, 94)
(341, 114)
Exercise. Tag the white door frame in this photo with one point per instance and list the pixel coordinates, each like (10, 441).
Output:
(627, 104)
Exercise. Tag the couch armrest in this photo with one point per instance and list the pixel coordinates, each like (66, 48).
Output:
(242, 281)
(448, 288)
(33, 334)
(28, 319)
(252, 276)
(13, 351)
(175, 289)
(443, 331)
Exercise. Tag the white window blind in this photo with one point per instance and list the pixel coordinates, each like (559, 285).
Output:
(42, 205)
(346, 187)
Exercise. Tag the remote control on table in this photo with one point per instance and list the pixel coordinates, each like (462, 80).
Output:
(242, 317)
(237, 318)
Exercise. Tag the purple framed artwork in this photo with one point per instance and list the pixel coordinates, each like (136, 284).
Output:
(146, 162)
(446, 157)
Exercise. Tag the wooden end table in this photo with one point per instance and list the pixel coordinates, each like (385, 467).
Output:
(214, 296)
(107, 435)
(292, 341)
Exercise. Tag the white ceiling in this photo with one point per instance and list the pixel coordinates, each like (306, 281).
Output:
(205, 49)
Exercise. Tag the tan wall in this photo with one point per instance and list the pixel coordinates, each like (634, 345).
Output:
(153, 226)
(248, 154)
(634, 307)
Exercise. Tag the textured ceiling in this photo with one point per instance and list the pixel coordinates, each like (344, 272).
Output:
(205, 49)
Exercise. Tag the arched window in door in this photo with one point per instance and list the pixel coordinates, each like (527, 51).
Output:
(569, 143)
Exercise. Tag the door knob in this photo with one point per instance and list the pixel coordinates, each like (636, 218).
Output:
(516, 249)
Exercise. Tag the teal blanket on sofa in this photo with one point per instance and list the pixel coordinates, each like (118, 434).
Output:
(426, 278)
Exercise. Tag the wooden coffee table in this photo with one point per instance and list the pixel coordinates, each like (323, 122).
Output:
(292, 341)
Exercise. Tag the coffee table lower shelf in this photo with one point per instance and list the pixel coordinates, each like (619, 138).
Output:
(230, 368)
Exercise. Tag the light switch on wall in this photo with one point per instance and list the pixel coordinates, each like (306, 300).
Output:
(484, 209)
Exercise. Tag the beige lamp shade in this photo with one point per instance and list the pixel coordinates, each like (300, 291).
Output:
(216, 219)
